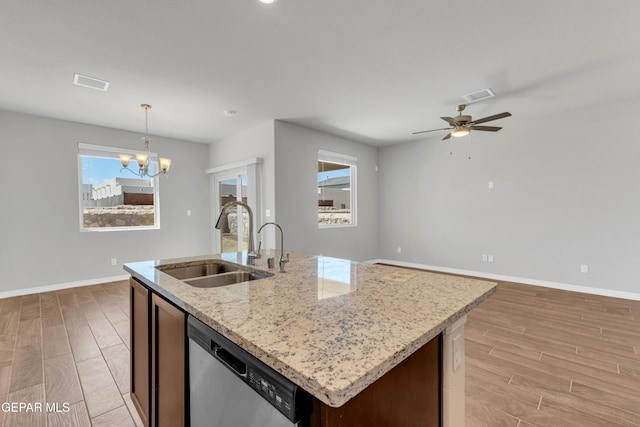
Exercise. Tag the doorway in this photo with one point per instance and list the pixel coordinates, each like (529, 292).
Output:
(234, 236)
(235, 182)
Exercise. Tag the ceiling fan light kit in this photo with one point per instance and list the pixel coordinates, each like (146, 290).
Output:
(460, 131)
(463, 125)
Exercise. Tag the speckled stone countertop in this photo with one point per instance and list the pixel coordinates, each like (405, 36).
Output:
(332, 326)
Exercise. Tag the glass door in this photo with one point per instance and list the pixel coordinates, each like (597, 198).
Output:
(234, 235)
(235, 182)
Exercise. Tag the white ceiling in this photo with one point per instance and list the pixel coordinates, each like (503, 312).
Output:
(371, 70)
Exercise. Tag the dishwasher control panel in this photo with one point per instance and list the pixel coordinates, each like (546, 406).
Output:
(282, 398)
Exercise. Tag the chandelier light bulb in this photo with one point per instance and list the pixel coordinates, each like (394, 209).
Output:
(165, 164)
(142, 158)
(125, 159)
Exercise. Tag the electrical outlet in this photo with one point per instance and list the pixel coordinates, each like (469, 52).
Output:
(490, 258)
(584, 268)
(399, 249)
(188, 212)
(490, 185)
(114, 261)
(267, 213)
(485, 258)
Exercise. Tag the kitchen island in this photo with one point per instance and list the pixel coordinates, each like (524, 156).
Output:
(333, 326)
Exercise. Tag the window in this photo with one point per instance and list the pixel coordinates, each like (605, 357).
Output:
(336, 189)
(113, 199)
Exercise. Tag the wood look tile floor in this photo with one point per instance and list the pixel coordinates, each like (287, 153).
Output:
(68, 349)
(545, 357)
(534, 357)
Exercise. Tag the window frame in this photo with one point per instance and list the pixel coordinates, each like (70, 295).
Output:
(103, 151)
(346, 160)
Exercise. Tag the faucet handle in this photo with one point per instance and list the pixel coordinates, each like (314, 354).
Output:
(252, 256)
(258, 251)
(282, 263)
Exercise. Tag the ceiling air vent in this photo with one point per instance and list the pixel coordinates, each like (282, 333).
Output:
(91, 82)
(479, 95)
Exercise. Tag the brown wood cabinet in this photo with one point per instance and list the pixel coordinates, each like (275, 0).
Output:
(140, 367)
(158, 353)
(168, 348)
(408, 395)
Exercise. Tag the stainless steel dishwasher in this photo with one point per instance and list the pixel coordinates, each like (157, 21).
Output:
(231, 388)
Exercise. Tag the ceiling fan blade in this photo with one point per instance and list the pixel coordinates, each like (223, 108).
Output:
(449, 120)
(432, 130)
(489, 118)
(447, 137)
(486, 128)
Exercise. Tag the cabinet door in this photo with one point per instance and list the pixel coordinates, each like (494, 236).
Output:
(168, 343)
(408, 395)
(139, 335)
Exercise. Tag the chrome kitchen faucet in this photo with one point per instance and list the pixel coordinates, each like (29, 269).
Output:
(283, 260)
(252, 255)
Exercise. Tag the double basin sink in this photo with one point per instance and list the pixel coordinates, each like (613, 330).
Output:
(212, 273)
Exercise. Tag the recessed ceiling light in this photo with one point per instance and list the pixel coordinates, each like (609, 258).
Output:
(267, 1)
(479, 95)
(230, 113)
(91, 82)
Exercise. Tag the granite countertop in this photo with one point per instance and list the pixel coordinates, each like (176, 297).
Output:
(332, 326)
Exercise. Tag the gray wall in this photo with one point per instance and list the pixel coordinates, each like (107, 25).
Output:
(296, 154)
(40, 241)
(566, 193)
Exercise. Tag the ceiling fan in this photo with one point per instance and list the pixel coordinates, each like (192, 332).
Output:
(463, 125)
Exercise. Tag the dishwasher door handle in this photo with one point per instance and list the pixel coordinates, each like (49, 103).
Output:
(232, 362)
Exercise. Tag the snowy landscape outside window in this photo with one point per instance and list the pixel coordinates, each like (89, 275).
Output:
(111, 199)
(336, 189)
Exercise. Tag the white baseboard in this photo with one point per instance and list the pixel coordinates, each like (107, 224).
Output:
(59, 286)
(554, 285)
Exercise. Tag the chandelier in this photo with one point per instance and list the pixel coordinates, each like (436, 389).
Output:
(143, 158)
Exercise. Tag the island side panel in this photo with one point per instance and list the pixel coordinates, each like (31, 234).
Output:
(409, 394)
(453, 375)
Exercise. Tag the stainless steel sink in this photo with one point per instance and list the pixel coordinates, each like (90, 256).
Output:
(223, 279)
(191, 271)
(212, 273)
